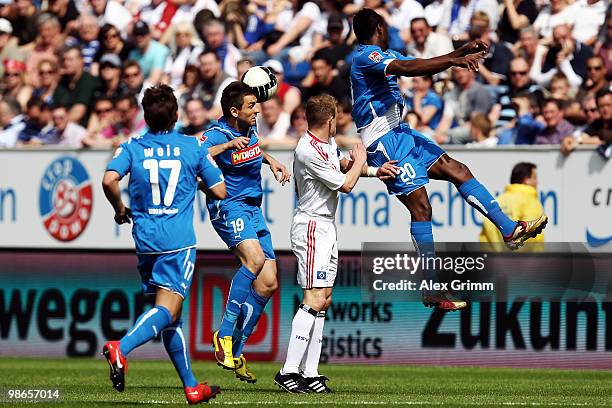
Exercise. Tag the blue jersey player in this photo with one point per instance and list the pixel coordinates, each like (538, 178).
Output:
(377, 109)
(164, 167)
(238, 220)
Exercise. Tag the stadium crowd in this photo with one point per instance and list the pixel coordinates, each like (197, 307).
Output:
(73, 72)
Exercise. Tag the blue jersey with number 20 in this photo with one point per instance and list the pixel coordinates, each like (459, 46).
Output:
(163, 168)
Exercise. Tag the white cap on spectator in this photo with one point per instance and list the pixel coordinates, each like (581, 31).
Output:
(274, 65)
(5, 26)
(112, 59)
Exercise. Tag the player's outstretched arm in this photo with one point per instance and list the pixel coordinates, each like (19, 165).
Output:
(110, 185)
(281, 173)
(236, 144)
(387, 171)
(467, 56)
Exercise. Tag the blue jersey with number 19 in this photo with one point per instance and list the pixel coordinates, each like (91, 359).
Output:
(163, 168)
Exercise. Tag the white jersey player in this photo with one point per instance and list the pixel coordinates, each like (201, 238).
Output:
(321, 173)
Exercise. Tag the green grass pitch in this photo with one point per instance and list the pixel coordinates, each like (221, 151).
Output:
(84, 382)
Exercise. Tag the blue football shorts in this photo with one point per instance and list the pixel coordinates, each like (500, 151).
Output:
(172, 271)
(240, 222)
(414, 152)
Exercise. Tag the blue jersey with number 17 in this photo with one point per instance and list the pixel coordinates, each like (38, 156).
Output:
(374, 91)
(163, 168)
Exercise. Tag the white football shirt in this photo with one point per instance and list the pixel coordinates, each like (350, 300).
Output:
(316, 168)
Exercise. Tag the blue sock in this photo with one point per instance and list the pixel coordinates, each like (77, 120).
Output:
(479, 197)
(239, 291)
(258, 304)
(147, 326)
(422, 236)
(175, 345)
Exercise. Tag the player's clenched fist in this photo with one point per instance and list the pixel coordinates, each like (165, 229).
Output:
(388, 170)
(238, 143)
(358, 154)
(123, 216)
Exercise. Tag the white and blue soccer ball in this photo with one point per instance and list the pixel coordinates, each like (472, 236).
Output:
(262, 80)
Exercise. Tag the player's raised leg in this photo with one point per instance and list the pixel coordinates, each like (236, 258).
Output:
(515, 233)
(252, 258)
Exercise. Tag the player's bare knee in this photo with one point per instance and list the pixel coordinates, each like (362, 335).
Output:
(255, 262)
(421, 210)
(460, 172)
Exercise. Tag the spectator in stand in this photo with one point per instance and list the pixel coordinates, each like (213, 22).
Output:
(557, 128)
(289, 95)
(14, 82)
(77, 87)
(216, 41)
(134, 80)
(525, 127)
(12, 121)
(110, 77)
(64, 132)
(23, 16)
(520, 201)
(587, 134)
(195, 114)
(600, 128)
(549, 17)
(458, 13)
(48, 72)
(426, 43)
(334, 43)
(566, 55)
(187, 89)
(183, 52)
(587, 17)
(150, 55)
(111, 11)
(560, 88)
(467, 97)
(346, 130)
(517, 15)
(44, 47)
(213, 82)
(102, 128)
(87, 40)
(402, 12)
(65, 10)
(273, 123)
(130, 119)
(325, 80)
(8, 43)
(503, 112)
(111, 42)
(604, 47)
(243, 65)
(299, 125)
(531, 50)
(425, 103)
(596, 78)
(37, 116)
(494, 69)
(481, 131)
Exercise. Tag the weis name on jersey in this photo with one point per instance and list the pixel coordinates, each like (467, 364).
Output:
(246, 154)
(169, 151)
(375, 56)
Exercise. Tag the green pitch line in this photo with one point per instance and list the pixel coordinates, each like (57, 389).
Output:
(84, 382)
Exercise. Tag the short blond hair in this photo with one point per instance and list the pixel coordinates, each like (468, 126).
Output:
(320, 109)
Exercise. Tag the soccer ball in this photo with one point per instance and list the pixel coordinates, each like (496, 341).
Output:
(262, 80)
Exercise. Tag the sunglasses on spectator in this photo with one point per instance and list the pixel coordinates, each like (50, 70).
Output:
(594, 68)
(518, 73)
(104, 66)
(12, 74)
(132, 75)
(47, 72)
(591, 110)
(101, 111)
(111, 35)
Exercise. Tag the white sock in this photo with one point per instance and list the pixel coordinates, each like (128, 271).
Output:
(310, 363)
(298, 342)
